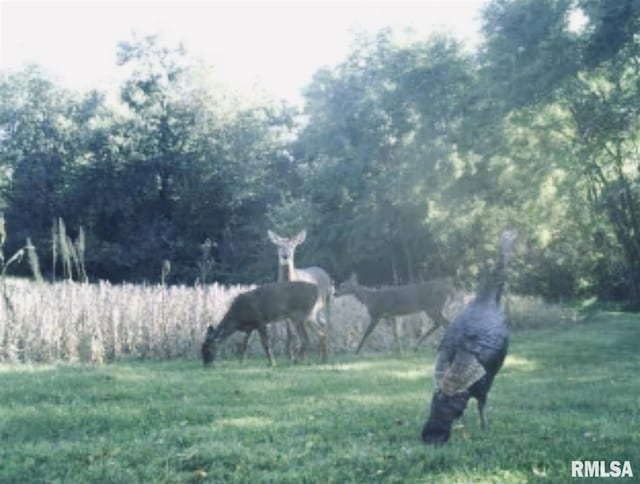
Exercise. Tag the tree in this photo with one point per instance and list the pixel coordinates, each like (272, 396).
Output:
(181, 161)
(382, 147)
(44, 132)
(594, 90)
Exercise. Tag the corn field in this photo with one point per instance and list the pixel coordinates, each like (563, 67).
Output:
(70, 321)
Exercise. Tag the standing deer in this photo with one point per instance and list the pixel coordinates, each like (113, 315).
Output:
(388, 302)
(315, 275)
(257, 308)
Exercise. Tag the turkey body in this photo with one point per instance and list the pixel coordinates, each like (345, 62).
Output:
(470, 355)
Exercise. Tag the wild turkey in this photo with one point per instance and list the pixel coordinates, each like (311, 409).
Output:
(470, 353)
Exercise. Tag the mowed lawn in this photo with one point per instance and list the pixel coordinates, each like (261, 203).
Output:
(566, 393)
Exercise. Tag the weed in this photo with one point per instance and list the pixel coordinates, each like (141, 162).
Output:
(71, 321)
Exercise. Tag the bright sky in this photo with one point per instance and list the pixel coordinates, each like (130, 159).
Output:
(275, 45)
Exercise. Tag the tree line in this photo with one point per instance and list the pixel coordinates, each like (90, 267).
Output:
(405, 162)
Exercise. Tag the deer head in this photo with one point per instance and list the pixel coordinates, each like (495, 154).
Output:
(348, 286)
(287, 247)
(209, 347)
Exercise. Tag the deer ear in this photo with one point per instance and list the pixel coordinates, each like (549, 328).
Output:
(300, 238)
(275, 238)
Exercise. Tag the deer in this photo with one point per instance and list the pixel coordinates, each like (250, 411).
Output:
(385, 303)
(287, 271)
(255, 309)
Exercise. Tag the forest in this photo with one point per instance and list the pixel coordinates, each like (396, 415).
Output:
(404, 163)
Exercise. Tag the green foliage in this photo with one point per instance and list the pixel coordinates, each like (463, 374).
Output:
(529, 50)
(379, 151)
(406, 162)
(589, 101)
(357, 420)
(613, 24)
(149, 180)
(41, 123)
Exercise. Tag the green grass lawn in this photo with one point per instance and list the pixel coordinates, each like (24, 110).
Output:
(568, 393)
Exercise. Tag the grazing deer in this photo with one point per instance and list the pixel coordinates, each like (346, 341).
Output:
(257, 308)
(388, 302)
(315, 275)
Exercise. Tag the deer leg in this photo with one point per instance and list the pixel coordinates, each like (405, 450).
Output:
(304, 341)
(327, 310)
(438, 321)
(324, 339)
(372, 325)
(425, 335)
(289, 341)
(243, 347)
(397, 333)
(442, 321)
(264, 339)
(322, 330)
(324, 347)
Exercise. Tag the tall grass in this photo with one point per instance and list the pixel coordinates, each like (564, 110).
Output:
(534, 312)
(104, 322)
(69, 321)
